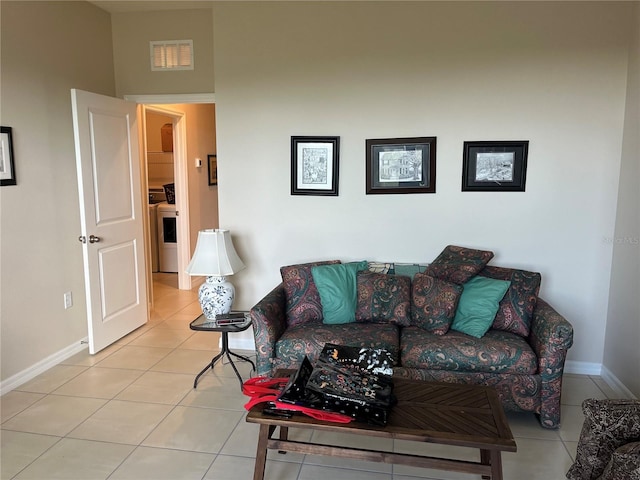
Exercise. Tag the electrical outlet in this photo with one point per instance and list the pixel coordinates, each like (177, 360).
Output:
(68, 300)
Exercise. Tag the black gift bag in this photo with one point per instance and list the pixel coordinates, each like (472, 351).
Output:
(348, 380)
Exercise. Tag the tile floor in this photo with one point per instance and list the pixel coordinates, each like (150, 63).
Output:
(130, 412)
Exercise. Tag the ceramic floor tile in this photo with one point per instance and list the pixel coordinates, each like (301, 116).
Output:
(435, 450)
(162, 337)
(572, 448)
(216, 392)
(183, 361)
(53, 378)
(525, 424)
(572, 420)
(16, 401)
(315, 472)
(243, 442)
(135, 357)
(54, 415)
(536, 460)
(99, 382)
(234, 468)
(209, 341)
(19, 449)
(72, 459)
(122, 422)
(605, 388)
(160, 464)
(84, 358)
(575, 388)
(195, 429)
(158, 387)
(356, 441)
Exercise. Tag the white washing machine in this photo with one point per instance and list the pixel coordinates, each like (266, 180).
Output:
(167, 238)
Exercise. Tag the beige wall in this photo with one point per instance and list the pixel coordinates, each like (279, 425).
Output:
(622, 355)
(456, 70)
(132, 33)
(41, 257)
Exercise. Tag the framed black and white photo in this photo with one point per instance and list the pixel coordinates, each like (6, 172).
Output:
(314, 165)
(494, 166)
(212, 168)
(401, 165)
(7, 168)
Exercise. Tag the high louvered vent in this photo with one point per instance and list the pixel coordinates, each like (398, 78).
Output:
(168, 55)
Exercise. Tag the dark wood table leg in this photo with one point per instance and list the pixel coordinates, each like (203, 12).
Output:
(496, 465)
(261, 454)
(493, 458)
(284, 435)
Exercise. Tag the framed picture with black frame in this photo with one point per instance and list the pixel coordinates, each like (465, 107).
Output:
(401, 165)
(498, 166)
(7, 167)
(212, 168)
(314, 165)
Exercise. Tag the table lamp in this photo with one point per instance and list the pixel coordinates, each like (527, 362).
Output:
(215, 257)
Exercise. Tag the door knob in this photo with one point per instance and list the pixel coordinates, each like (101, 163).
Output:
(82, 239)
(94, 239)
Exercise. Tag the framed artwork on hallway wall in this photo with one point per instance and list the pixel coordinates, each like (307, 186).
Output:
(212, 164)
(7, 168)
(494, 166)
(314, 165)
(401, 165)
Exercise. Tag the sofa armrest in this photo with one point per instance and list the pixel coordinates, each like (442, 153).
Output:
(269, 323)
(551, 336)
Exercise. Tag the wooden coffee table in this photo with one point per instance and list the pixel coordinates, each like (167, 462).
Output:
(449, 414)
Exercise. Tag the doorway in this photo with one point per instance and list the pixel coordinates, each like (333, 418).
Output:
(196, 200)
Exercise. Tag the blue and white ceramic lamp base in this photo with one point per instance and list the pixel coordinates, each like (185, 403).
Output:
(216, 296)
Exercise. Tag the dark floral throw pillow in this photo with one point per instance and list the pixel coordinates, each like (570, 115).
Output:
(383, 298)
(517, 305)
(433, 303)
(458, 264)
(303, 299)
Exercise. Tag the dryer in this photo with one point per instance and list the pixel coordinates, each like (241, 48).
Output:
(167, 238)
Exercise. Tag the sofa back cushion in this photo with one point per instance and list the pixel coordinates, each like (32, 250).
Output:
(433, 303)
(336, 285)
(383, 298)
(458, 264)
(302, 297)
(516, 307)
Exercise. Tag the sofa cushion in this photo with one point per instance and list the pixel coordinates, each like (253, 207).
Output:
(458, 264)
(496, 352)
(608, 424)
(478, 305)
(433, 303)
(516, 308)
(309, 339)
(336, 286)
(303, 299)
(383, 298)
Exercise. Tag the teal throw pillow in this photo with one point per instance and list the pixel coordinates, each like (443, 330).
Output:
(336, 285)
(478, 305)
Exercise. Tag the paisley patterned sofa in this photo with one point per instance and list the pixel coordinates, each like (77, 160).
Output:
(401, 308)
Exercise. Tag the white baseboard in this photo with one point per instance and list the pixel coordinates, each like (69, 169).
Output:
(241, 344)
(582, 368)
(615, 383)
(42, 366)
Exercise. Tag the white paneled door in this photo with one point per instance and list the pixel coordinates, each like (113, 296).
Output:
(112, 232)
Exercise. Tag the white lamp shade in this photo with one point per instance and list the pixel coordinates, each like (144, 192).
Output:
(215, 255)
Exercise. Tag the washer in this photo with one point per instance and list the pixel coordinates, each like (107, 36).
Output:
(167, 238)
